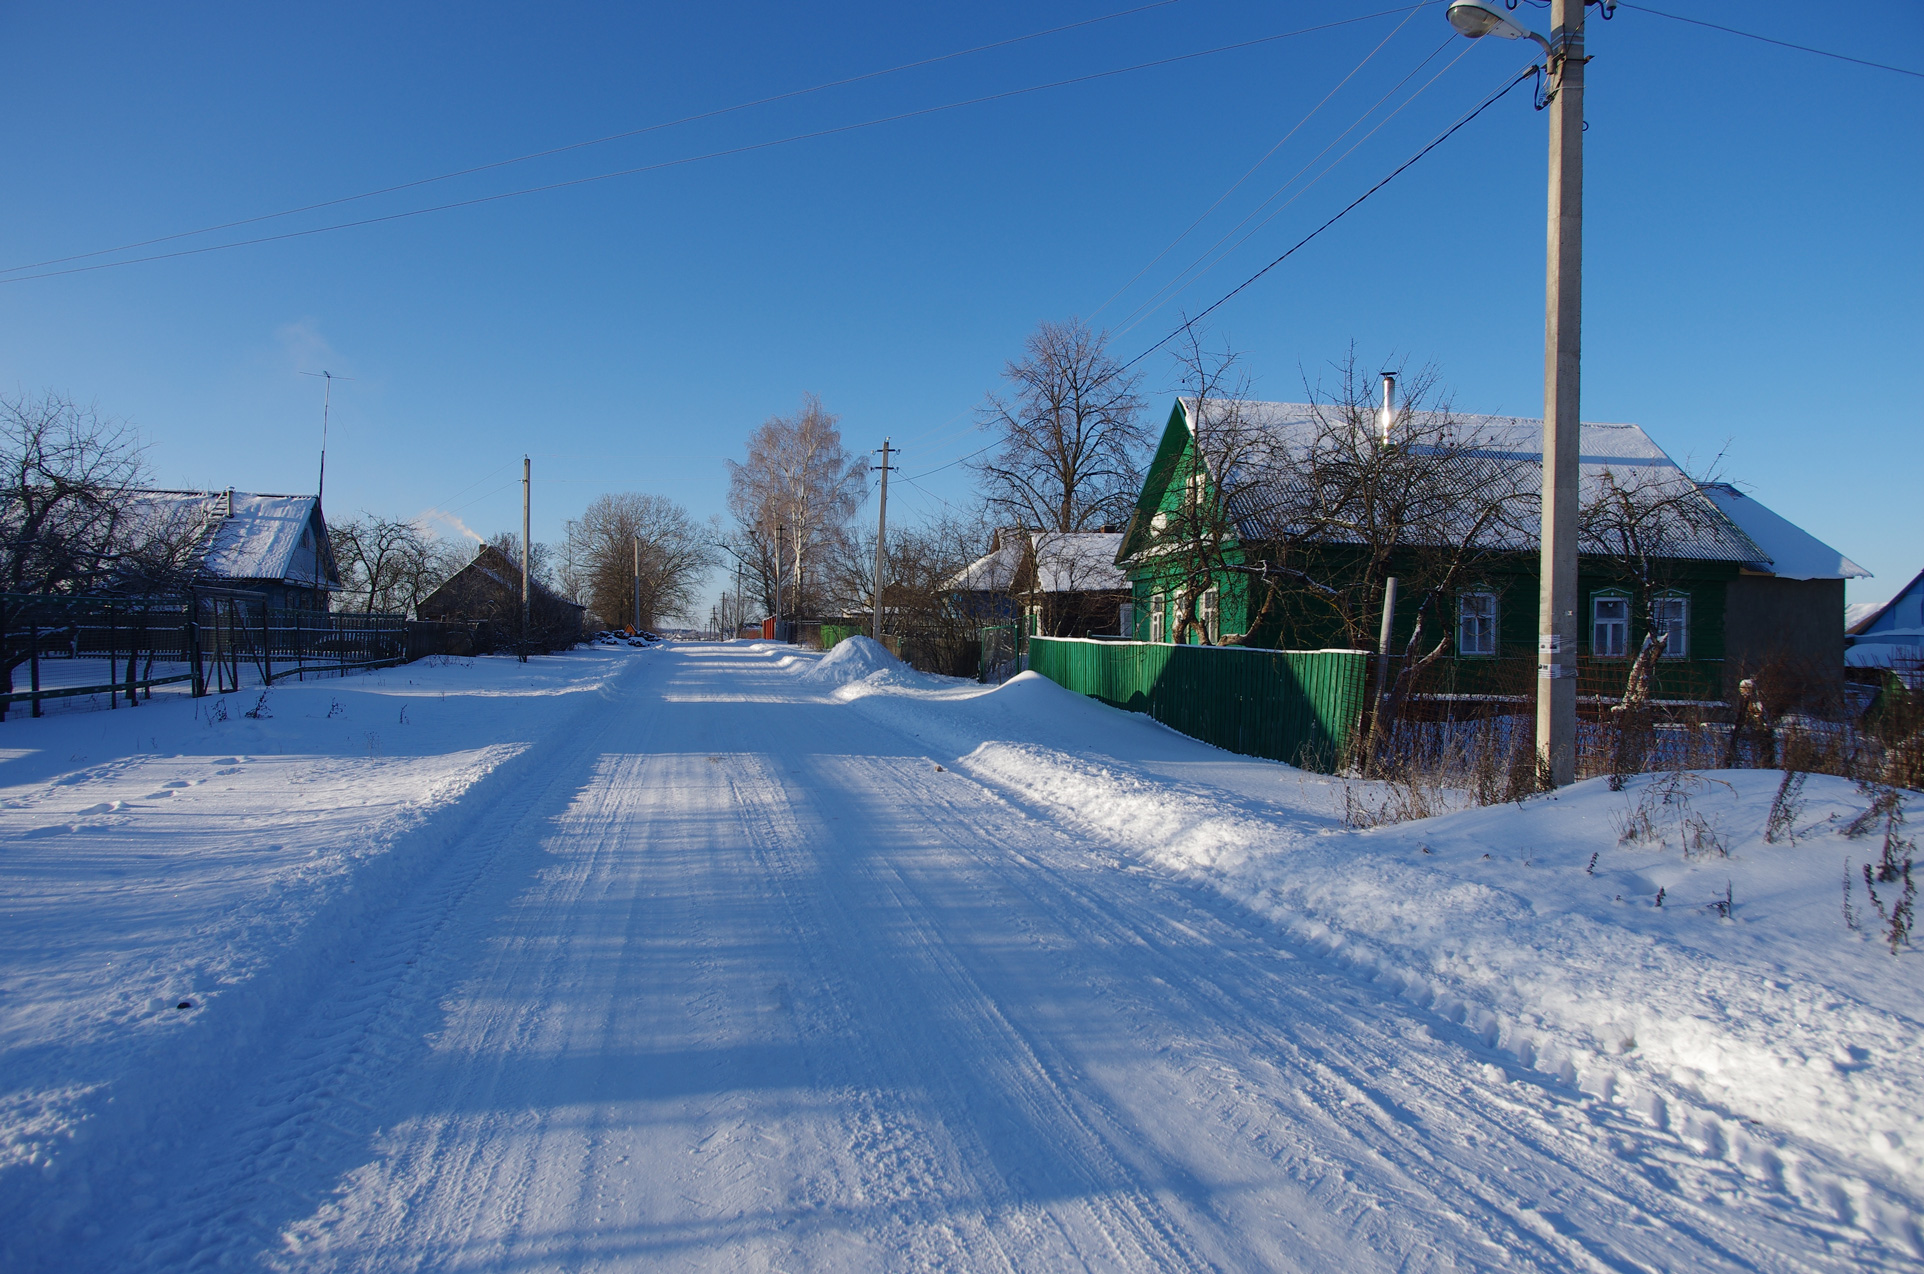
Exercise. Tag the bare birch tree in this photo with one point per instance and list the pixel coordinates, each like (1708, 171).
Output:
(792, 498)
(1070, 434)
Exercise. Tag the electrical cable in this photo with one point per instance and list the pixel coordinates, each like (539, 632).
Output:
(1196, 268)
(1440, 138)
(1267, 155)
(597, 141)
(716, 154)
(992, 446)
(1783, 44)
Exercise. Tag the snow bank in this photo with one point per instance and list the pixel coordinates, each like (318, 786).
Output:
(1774, 1038)
(854, 659)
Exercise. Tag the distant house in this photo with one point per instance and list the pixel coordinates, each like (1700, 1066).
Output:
(1891, 635)
(1057, 583)
(488, 591)
(1743, 586)
(275, 545)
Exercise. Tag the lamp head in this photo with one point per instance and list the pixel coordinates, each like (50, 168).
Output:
(1478, 18)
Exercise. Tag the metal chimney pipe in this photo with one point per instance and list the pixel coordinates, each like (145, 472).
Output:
(1387, 417)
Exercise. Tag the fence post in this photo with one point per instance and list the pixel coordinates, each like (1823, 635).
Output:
(198, 683)
(133, 662)
(267, 646)
(33, 659)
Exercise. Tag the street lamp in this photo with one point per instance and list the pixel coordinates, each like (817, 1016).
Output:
(1478, 18)
(1562, 324)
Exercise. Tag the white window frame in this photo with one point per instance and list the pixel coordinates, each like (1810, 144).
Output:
(1620, 623)
(1476, 630)
(1158, 616)
(1671, 612)
(1209, 612)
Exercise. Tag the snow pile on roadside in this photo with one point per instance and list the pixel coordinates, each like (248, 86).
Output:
(1774, 1038)
(854, 659)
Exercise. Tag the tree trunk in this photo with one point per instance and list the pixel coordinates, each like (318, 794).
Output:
(1633, 716)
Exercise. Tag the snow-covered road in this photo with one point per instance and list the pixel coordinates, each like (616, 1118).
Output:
(729, 972)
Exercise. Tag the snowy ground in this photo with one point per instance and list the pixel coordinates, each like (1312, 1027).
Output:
(728, 956)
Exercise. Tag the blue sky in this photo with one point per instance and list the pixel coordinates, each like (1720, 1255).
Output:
(1753, 254)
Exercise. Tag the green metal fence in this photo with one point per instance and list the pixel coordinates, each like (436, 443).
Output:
(1300, 706)
(834, 634)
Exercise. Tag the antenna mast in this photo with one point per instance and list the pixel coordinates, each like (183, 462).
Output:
(327, 402)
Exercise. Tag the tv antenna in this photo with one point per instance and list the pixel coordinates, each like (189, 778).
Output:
(327, 399)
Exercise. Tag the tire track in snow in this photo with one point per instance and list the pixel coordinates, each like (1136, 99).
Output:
(267, 1161)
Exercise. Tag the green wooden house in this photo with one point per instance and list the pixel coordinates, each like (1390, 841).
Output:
(1734, 585)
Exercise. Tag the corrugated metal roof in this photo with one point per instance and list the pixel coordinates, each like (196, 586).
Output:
(1503, 454)
(1794, 553)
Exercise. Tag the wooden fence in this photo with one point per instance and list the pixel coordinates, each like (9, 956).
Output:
(1303, 707)
(214, 641)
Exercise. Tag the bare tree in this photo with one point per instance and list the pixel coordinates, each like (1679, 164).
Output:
(1637, 525)
(792, 499)
(920, 608)
(1070, 430)
(67, 473)
(388, 565)
(675, 554)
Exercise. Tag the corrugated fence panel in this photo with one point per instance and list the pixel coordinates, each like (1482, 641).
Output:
(1300, 706)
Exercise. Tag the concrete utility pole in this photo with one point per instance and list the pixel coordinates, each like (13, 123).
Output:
(778, 581)
(1562, 350)
(1562, 328)
(527, 475)
(881, 539)
(637, 583)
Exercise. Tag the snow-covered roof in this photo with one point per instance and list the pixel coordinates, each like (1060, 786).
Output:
(1064, 562)
(248, 536)
(1904, 613)
(1078, 562)
(1507, 452)
(1791, 552)
(993, 572)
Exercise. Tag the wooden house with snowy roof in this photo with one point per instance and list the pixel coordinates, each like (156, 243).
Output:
(274, 545)
(1740, 586)
(1057, 583)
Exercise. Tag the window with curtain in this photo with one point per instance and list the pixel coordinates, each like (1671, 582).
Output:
(1609, 625)
(1476, 624)
(1670, 614)
(1206, 611)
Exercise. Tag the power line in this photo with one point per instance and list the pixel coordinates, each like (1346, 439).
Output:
(597, 141)
(1782, 44)
(716, 154)
(1184, 277)
(1267, 155)
(992, 446)
(1442, 137)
